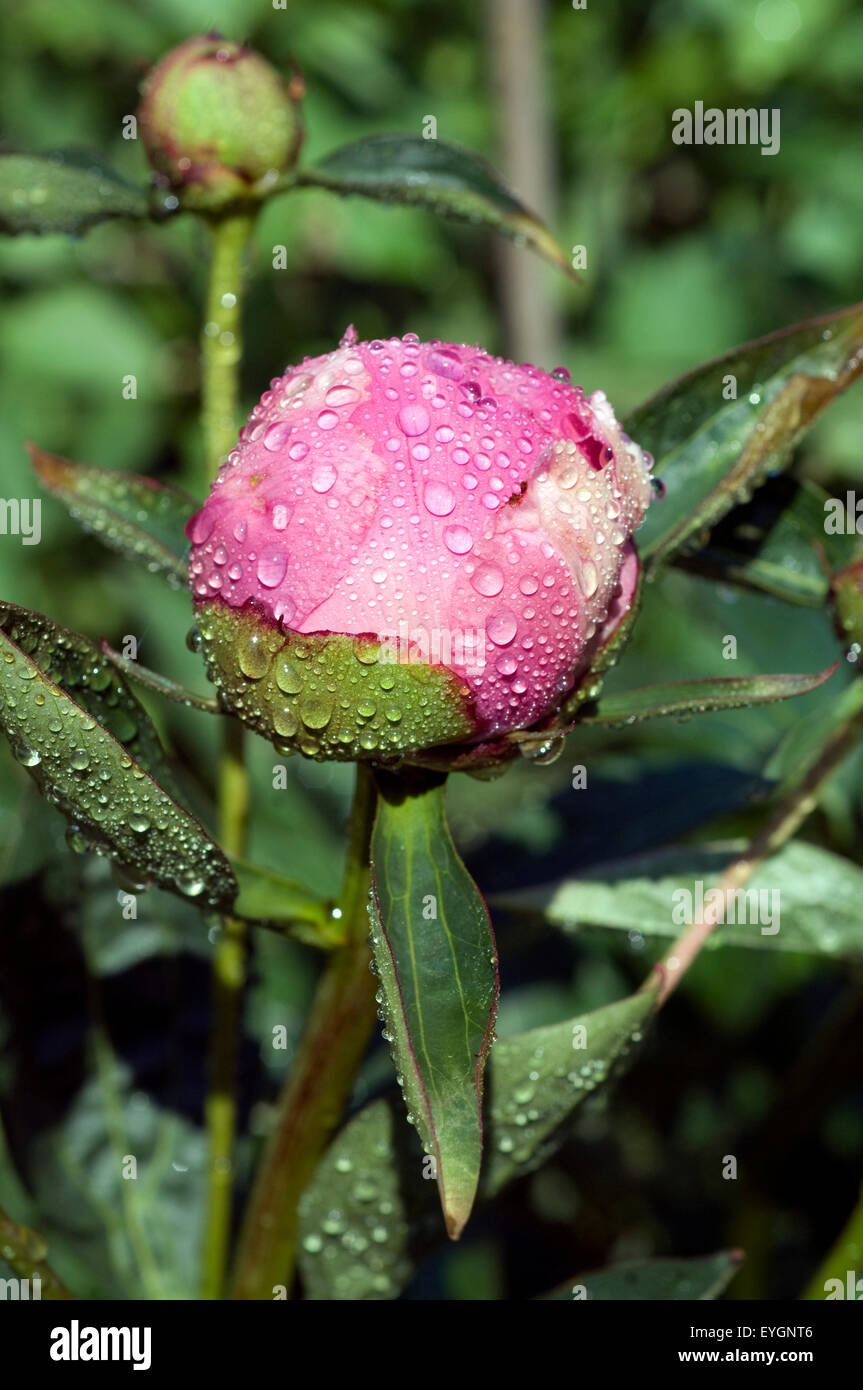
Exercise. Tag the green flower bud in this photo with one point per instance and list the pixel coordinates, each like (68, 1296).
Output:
(218, 122)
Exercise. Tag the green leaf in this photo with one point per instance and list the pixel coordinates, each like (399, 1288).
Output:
(64, 191)
(776, 545)
(684, 698)
(97, 773)
(158, 684)
(268, 898)
(540, 1077)
(703, 1278)
(437, 961)
(141, 518)
(711, 453)
(375, 1176)
(803, 898)
(438, 176)
(136, 1237)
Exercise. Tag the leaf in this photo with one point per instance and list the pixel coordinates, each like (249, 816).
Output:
(82, 767)
(539, 1078)
(141, 518)
(702, 1278)
(684, 698)
(375, 1178)
(158, 684)
(65, 191)
(268, 898)
(812, 898)
(438, 176)
(436, 957)
(776, 544)
(712, 453)
(137, 1238)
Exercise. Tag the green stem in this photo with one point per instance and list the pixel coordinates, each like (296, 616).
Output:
(846, 1255)
(221, 351)
(221, 342)
(24, 1252)
(780, 826)
(321, 1079)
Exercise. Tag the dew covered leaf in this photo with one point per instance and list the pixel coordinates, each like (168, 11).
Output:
(702, 696)
(94, 754)
(804, 898)
(437, 962)
(63, 191)
(370, 1213)
(435, 175)
(776, 544)
(711, 453)
(139, 517)
(540, 1077)
(703, 1278)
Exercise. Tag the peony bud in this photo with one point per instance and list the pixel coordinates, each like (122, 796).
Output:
(217, 118)
(414, 545)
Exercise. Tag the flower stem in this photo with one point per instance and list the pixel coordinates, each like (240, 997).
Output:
(221, 351)
(321, 1079)
(778, 829)
(24, 1252)
(221, 343)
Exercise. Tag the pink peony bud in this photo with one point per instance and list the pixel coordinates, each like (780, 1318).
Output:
(414, 545)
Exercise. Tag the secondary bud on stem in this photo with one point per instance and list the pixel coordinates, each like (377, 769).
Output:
(219, 123)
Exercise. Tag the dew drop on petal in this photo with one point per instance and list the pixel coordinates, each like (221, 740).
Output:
(323, 477)
(271, 568)
(458, 539)
(413, 419)
(439, 498)
(487, 579)
(200, 527)
(277, 436)
(501, 627)
(342, 395)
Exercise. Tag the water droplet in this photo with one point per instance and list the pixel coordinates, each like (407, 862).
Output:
(316, 713)
(590, 578)
(413, 419)
(487, 579)
(323, 477)
(458, 539)
(199, 528)
(501, 627)
(271, 568)
(342, 395)
(277, 436)
(253, 657)
(439, 498)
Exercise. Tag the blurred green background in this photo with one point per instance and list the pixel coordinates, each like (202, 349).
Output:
(689, 252)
